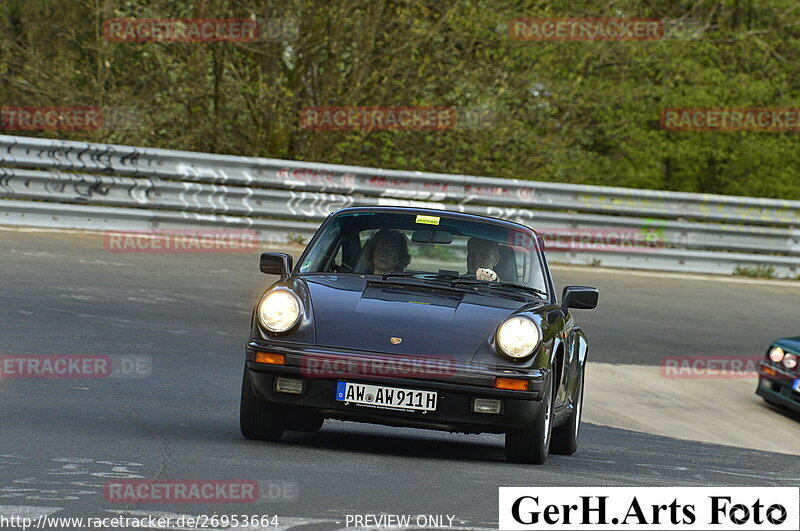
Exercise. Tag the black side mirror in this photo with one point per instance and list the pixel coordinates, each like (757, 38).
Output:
(579, 297)
(276, 264)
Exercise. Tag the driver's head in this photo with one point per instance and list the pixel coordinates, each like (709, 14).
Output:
(482, 254)
(387, 251)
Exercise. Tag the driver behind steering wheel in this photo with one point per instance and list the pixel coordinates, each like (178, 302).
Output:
(482, 257)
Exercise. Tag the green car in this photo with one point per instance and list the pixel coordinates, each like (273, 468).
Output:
(778, 377)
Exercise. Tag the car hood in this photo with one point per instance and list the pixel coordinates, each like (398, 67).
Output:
(352, 312)
(791, 344)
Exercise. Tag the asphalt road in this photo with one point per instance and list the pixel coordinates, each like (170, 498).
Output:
(188, 315)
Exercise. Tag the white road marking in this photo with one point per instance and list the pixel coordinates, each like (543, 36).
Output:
(293, 521)
(757, 476)
(27, 511)
(666, 467)
(78, 297)
(45, 254)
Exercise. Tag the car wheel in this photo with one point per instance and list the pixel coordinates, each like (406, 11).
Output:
(259, 419)
(565, 437)
(307, 421)
(532, 443)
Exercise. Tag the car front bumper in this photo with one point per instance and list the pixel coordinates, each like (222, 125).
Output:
(456, 391)
(777, 388)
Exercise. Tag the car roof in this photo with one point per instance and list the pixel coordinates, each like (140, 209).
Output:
(435, 212)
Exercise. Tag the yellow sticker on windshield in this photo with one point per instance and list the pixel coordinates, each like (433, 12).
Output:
(428, 220)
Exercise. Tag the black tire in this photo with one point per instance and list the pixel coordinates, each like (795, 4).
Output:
(307, 421)
(565, 436)
(259, 419)
(532, 443)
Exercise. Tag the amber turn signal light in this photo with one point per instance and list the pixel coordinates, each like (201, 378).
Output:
(511, 384)
(271, 358)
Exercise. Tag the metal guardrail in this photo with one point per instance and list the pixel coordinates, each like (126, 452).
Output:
(99, 186)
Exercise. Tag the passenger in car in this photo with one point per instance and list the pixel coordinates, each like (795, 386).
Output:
(386, 251)
(482, 257)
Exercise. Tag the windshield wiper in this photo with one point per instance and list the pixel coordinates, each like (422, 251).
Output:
(437, 276)
(422, 278)
(455, 280)
(525, 287)
(390, 275)
(506, 285)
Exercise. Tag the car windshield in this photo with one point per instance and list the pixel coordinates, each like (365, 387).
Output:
(433, 247)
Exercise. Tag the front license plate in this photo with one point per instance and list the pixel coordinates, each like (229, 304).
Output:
(796, 386)
(386, 397)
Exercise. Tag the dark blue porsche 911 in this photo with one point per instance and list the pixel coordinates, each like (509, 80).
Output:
(778, 375)
(420, 318)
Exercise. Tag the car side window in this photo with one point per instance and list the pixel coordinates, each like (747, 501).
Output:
(337, 259)
(523, 265)
(320, 257)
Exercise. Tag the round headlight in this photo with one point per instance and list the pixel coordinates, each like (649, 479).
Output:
(776, 354)
(790, 361)
(279, 310)
(518, 337)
